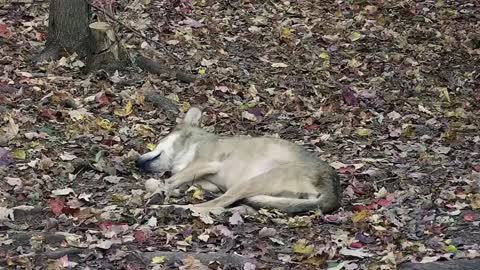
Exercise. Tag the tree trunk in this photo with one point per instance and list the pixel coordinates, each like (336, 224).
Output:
(68, 30)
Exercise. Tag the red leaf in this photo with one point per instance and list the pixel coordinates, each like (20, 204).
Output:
(311, 127)
(40, 36)
(356, 245)
(102, 98)
(132, 267)
(470, 217)
(476, 167)
(347, 170)
(56, 206)
(384, 202)
(140, 236)
(46, 113)
(105, 225)
(4, 32)
(331, 218)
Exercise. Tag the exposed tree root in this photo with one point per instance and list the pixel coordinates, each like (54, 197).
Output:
(154, 67)
(226, 259)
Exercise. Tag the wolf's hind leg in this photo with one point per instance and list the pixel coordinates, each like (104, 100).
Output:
(290, 178)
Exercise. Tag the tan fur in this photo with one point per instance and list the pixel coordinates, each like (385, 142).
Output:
(261, 171)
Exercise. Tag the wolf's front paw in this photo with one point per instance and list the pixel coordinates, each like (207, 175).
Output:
(152, 185)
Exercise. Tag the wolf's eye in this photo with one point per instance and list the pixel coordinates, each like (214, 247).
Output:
(159, 154)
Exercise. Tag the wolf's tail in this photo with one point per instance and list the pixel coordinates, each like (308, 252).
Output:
(325, 203)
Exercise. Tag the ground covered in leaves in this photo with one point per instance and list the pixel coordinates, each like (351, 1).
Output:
(385, 91)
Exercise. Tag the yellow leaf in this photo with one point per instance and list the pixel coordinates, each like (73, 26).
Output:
(198, 194)
(189, 239)
(317, 260)
(360, 216)
(19, 154)
(354, 63)
(444, 93)
(104, 124)
(158, 259)
(139, 99)
(450, 249)
(301, 247)
(363, 132)
(119, 198)
(185, 107)
(151, 146)
(173, 97)
(286, 33)
(299, 221)
(356, 36)
(475, 202)
(144, 130)
(202, 71)
(324, 56)
(124, 111)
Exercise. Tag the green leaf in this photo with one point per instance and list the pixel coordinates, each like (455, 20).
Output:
(158, 259)
(364, 132)
(98, 156)
(19, 154)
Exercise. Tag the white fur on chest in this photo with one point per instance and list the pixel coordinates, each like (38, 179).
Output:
(183, 158)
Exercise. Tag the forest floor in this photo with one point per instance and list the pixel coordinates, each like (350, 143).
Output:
(386, 91)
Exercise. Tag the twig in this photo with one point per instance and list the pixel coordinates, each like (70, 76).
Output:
(135, 31)
(388, 179)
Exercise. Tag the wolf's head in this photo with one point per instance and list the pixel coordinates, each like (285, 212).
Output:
(177, 149)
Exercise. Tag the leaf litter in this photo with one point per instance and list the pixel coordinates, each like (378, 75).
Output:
(385, 92)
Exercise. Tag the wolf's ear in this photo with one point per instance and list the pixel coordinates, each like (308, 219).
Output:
(193, 117)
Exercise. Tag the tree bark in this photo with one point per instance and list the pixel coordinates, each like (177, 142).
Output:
(68, 30)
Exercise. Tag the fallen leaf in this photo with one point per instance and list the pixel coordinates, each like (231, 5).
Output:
(62, 192)
(80, 114)
(364, 132)
(475, 201)
(349, 97)
(354, 36)
(56, 206)
(470, 217)
(11, 129)
(394, 115)
(360, 216)
(223, 230)
(279, 65)
(14, 181)
(359, 253)
(249, 116)
(249, 266)
(19, 154)
(112, 179)
(5, 158)
(67, 156)
(267, 232)
(126, 111)
(301, 247)
(235, 219)
(451, 249)
(441, 149)
(4, 31)
(158, 260)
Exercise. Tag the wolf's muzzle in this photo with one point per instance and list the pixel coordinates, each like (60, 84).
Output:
(142, 163)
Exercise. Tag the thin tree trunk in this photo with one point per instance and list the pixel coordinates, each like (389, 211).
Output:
(68, 30)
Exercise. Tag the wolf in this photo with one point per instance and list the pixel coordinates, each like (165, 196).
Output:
(262, 172)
